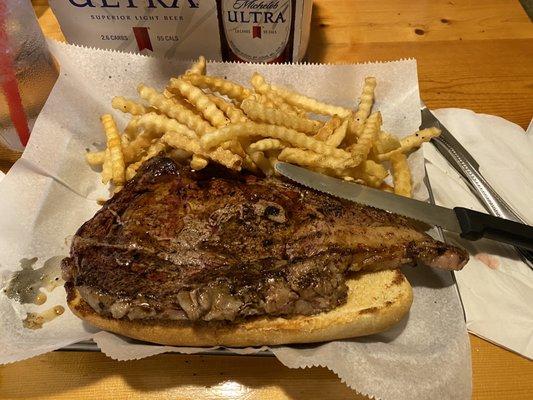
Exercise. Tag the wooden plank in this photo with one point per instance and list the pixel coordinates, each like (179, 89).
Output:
(492, 77)
(368, 21)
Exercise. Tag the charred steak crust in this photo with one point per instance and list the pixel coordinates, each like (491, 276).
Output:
(214, 245)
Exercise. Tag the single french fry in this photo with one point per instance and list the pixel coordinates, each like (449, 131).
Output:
(115, 149)
(234, 114)
(369, 172)
(412, 142)
(174, 110)
(161, 124)
(291, 136)
(261, 162)
(267, 144)
(198, 162)
(260, 113)
(298, 100)
(95, 158)
(365, 106)
(153, 151)
(328, 128)
(179, 154)
(107, 168)
(129, 106)
(338, 135)
(401, 175)
(199, 99)
(361, 149)
(222, 156)
(308, 158)
(220, 85)
(184, 103)
(199, 67)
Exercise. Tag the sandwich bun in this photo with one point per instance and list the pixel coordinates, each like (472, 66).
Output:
(376, 301)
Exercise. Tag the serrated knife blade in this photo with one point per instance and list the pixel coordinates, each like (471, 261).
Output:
(469, 224)
(429, 213)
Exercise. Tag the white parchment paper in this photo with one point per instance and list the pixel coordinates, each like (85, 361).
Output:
(50, 192)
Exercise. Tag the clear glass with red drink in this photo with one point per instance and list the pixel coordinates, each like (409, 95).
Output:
(27, 72)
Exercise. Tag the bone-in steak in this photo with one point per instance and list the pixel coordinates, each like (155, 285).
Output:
(213, 245)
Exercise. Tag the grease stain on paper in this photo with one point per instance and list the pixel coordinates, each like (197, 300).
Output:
(490, 261)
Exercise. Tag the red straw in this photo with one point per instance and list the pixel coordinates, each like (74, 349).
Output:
(9, 82)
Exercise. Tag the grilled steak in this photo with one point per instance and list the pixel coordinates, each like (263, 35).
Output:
(213, 245)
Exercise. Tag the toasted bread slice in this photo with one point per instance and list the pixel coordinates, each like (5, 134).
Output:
(376, 301)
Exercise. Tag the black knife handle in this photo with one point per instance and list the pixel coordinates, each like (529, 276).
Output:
(475, 225)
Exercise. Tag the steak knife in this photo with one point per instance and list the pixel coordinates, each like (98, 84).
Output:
(470, 224)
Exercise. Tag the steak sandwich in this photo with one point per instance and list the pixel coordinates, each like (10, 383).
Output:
(212, 257)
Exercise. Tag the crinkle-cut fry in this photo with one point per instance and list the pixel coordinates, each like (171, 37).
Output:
(174, 110)
(160, 124)
(222, 156)
(199, 99)
(364, 143)
(198, 162)
(401, 175)
(291, 136)
(158, 147)
(199, 67)
(366, 101)
(260, 113)
(412, 142)
(338, 135)
(184, 103)
(129, 106)
(132, 128)
(328, 128)
(220, 85)
(234, 114)
(308, 158)
(115, 149)
(267, 144)
(95, 158)
(278, 102)
(385, 143)
(107, 168)
(299, 100)
(261, 162)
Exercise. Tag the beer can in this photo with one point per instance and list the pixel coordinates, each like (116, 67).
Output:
(229, 30)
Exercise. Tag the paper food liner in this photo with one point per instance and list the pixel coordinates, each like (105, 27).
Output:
(51, 191)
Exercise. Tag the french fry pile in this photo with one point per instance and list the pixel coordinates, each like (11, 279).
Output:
(199, 119)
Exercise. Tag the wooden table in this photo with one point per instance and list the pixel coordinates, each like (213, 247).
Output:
(474, 54)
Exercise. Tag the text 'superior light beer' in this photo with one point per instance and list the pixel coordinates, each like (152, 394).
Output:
(256, 30)
(229, 30)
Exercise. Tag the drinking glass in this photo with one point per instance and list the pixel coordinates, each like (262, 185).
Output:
(27, 72)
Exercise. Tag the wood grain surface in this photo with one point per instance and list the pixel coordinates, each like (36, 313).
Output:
(475, 54)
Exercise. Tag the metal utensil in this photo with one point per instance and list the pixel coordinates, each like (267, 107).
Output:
(468, 168)
(470, 224)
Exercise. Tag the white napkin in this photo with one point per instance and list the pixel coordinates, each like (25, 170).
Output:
(2, 176)
(496, 287)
